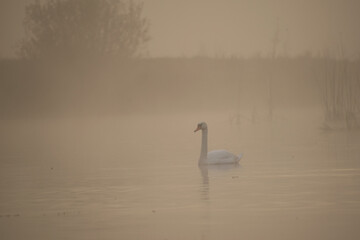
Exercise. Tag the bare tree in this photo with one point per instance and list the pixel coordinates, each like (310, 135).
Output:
(68, 28)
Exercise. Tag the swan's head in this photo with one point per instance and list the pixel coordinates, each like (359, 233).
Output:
(201, 126)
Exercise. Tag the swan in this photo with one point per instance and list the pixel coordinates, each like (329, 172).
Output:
(216, 156)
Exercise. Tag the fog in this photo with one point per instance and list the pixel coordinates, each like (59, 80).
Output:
(97, 146)
(215, 28)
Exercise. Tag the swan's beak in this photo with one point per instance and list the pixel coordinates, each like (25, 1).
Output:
(197, 129)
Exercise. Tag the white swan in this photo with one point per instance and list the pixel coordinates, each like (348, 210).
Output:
(214, 157)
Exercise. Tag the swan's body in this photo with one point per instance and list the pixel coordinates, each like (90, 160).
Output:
(216, 156)
(221, 157)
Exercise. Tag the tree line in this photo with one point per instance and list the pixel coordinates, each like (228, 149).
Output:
(83, 28)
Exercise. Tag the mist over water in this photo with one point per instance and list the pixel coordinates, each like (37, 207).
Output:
(97, 145)
(136, 176)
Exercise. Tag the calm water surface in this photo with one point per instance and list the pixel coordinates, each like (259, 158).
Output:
(136, 177)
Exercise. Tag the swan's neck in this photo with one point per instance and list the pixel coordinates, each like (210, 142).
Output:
(204, 148)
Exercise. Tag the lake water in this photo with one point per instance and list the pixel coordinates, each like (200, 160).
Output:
(136, 177)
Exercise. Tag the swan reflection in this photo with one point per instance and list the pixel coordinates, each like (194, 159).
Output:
(206, 173)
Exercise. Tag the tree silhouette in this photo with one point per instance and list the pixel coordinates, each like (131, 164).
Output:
(84, 28)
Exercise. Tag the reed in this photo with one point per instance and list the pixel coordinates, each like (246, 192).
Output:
(341, 91)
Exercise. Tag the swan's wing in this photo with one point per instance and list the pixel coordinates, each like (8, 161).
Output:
(221, 157)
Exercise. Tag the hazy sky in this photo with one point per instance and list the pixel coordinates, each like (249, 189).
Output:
(218, 27)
